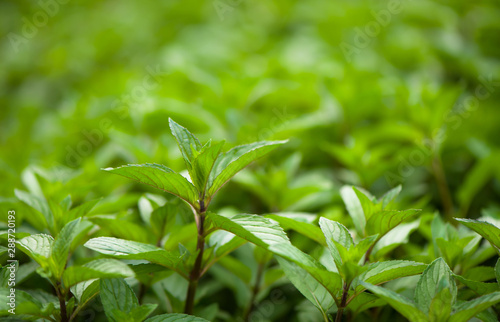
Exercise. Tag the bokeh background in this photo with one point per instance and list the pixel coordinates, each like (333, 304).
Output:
(370, 93)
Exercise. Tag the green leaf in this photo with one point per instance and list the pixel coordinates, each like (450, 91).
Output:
(383, 221)
(330, 280)
(160, 177)
(359, 250)
(186, 141)
(389, 196)
(80, 235)
(163, 218)
(489, 231)
(224, 242)
(57, 216)
(258, 230)
(316, 293)
(25, 304)
(126, 249)
(452, 251)
(399, 303)
(139, 313)
(86, 291)
(354, 208)
(66, 203)
(37, 203)
(479, 288)
(117, 296)
(467, 310)
(336, 235)
(429, 284)
(441, 304)
(231, 162)
(203, 164)
(62, 244)
(397, 236)
(38, 247)
(82, 210)
(364, 301)
(100, 268)
(381, 272)
(345, 253)
(367, 203)
(175, 317)
(295, 222)
(480, 273)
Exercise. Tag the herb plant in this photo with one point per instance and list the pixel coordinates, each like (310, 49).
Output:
(142, 267)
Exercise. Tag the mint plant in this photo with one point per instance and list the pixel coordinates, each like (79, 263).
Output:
(355, 266)
(435, 298)
(209, 169)
(343, 284)
(51, 254)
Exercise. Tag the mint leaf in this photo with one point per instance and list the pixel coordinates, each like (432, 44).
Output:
(100, 268)
(480, 288)
(389, 196)
(186, 141)
(39, 204)
(381, 272)
(440, 306)
(330, 280)
(203, 164)
(126, 249)
(234, 160)
(430, 283)
(316, 293)
(398, 302)
(354, 208)
(175, 317)
(489, 231)
(38, 247)
(62, 245)
(336, 235)
(82, 209)
(294, 221)
(160, 177)
(258, 230)
(367, 203)
(383, 221)
(467, 310)
(85, 291)
(120, 303)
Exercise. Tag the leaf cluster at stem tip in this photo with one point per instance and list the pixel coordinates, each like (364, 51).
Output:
(209, 168)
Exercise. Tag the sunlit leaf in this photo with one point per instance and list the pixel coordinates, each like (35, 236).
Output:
(160, 177)
(126, 249)
(234, 160)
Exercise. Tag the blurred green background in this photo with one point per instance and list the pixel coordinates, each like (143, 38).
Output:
(370, 93)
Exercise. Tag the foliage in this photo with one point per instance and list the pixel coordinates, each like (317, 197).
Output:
(359, 178)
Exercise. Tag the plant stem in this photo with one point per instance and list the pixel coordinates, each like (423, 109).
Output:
(444, 191)
(255, 291)
(81, 306)
(195, 273)
(340, 310)
(62, 303)
(368, 253)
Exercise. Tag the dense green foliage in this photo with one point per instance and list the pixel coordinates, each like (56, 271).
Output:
(358, 180)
